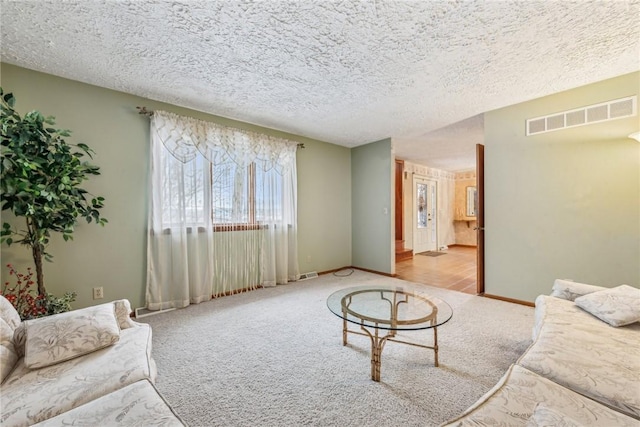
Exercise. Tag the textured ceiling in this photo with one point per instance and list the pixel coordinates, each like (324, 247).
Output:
(346, 72)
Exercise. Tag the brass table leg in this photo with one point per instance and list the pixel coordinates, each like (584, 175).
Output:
(344, 331)
(435, 344)
(377, 345)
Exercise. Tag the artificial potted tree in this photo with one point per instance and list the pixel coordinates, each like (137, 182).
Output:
(40, 182)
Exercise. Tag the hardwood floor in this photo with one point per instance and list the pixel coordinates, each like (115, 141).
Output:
(456, 270)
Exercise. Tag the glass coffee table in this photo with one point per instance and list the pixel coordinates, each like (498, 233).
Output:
(388, 309)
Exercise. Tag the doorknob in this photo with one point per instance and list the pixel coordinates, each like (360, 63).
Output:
(479, 228)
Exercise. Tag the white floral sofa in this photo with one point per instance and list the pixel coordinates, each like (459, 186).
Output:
(582, 369)
(86, 367)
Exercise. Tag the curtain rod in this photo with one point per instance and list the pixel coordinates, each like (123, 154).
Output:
(143, 110)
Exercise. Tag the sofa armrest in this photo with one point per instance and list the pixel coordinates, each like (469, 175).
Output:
(566, 289)
(123, 314)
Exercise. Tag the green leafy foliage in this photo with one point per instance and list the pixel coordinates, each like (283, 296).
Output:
(41, 177)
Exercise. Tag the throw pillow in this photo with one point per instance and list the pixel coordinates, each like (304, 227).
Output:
(544, 416)
(566, 289)
(64, 336)
(617, 306)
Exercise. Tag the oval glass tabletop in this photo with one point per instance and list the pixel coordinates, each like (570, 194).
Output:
(390, 307)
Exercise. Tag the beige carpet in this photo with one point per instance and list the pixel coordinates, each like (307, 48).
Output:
(274, 357)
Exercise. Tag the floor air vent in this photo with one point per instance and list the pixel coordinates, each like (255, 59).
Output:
(307, 276)
(610, 110)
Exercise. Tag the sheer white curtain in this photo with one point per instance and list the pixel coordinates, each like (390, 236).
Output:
(222, 214)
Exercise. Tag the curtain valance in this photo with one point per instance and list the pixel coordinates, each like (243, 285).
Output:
(184, 137)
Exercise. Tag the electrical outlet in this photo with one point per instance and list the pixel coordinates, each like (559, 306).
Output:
(98, 293)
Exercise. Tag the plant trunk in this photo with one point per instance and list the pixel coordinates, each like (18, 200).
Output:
(37, 259)
(37, 251)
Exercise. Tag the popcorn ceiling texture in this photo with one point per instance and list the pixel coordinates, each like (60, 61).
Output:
(346, 72)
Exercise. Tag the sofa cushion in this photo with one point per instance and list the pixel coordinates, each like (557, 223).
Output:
(33, 395)
(54, 339)
(584, 354)
(617, 306)
(138, 404)
(512, 402)
(8, 354)
(569, 290)
(546, 416)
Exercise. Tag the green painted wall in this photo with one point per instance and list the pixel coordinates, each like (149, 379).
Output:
(564, 204)
(372, 182)
(115, 256)
(324, 207)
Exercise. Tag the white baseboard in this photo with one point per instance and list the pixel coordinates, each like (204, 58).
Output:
(144, 312)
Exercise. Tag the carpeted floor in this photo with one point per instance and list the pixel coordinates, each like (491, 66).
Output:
(274, 357)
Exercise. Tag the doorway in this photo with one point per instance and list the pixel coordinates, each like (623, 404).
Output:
(456, 266)
(425, 218)
(456, 270)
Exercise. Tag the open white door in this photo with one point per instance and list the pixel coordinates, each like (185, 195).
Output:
(425, 225)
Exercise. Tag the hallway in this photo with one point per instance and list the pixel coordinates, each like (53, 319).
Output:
(456, 270)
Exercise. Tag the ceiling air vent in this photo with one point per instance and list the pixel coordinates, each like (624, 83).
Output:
(555, 122)
(611, 110)
(575, 118)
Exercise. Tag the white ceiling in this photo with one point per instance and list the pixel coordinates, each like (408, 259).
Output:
(345, 72)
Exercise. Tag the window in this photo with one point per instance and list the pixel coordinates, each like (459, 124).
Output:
(222, 211)
(230, 196)
(233, 191)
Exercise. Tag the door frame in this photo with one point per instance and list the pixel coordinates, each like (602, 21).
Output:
(399, 223)
(480, 218)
